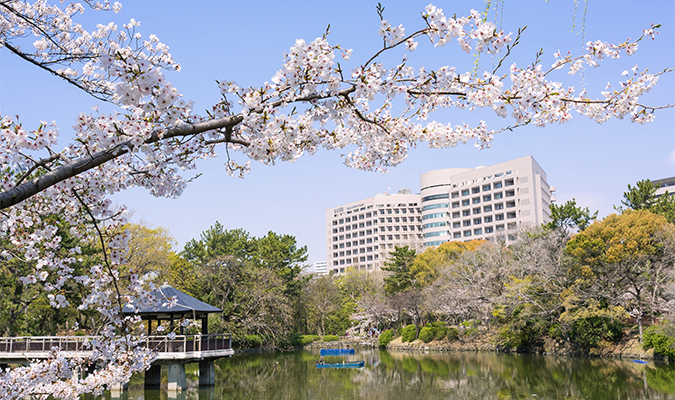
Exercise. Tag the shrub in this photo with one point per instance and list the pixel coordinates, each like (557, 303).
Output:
(304, 340)
(452, 333)
(409, 333)
(439, 324)
(386, 337)
(253, 340)
(662, 339)
(588, 332)
(330, 338)
(440, 332)
(427, 334)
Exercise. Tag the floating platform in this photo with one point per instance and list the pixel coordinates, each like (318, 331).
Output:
(336, 352)
(355, 364)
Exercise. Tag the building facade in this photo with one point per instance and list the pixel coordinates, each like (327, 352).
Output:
(362, 233)
(320, 268)
(491, 202)
(664, 185)
(457, 204)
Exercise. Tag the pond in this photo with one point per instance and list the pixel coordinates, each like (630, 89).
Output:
(417, 376)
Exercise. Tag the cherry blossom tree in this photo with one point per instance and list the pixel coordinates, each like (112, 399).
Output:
(375, 110)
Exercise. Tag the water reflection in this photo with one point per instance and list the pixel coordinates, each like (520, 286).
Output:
(391, 375)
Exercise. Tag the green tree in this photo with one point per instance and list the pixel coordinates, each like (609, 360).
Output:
(322, 296)
(624, 260)
(642, 196)
(570, 216)
(252, 299)
(399, 265)
(218, 241)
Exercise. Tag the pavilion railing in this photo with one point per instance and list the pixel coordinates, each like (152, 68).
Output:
(161, 344)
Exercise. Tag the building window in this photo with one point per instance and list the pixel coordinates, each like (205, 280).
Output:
(435, 197)
(488, 229)
(476, 221)
(497, 185)
(511, 215)
(457, 235)
(476, 200)
(478, 231)
(487, 197)
(455, 195)
(511, 226)
(475, 190)
(476, 210)
(465, 192)
(487, 219)
(508, 182)
(466, 222)
(434, 206)
(455, 214)
(510, 193)
(455, 204)
(500, 228)
(499, 206)
(498, 196)
(466, 213)
(487, 208)
(499, 217)
(467, 233)
(456, 225)
(486, 187)
(510, 204)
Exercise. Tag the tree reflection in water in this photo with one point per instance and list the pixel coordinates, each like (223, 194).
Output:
(394, 375)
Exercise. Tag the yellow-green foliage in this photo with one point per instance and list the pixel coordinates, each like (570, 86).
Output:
(409, 333)
(426, 267)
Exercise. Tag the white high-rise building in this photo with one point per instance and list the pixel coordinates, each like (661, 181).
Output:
(362, 233)
(320, 268)
(490, 203)
(664, 185)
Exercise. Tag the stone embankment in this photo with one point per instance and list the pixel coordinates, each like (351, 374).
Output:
(629, 347)
(368, 343)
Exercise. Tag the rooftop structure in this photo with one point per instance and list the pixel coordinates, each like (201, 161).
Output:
(664, 185)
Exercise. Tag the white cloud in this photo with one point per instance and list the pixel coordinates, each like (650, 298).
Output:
(671, 158)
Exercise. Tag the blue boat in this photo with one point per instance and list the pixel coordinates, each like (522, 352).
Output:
(639, 361)
(345, 364)
(336, 352)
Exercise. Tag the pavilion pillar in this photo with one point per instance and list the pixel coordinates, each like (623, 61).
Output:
(153, 377)
(119, 392)
(205, 326)
(177, 377)
(207, 373)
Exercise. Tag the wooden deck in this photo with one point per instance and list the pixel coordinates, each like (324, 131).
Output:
(184, 348)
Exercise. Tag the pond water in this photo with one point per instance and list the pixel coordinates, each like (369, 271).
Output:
(418, 376)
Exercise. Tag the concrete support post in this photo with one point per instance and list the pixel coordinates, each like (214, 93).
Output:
(177, 377)
(207, 373)
(119, 392)
(153, 377)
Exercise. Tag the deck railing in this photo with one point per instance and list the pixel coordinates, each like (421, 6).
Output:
(161, 344)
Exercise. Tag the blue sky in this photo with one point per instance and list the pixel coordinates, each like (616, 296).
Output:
(245, 41)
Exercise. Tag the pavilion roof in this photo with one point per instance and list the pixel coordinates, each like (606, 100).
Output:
(184, 304)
